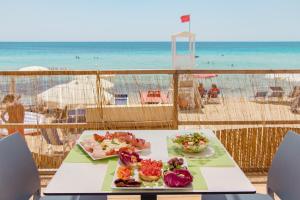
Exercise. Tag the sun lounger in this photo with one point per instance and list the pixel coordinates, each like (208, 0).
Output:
(261, 95)
(277, 92)
(52, 138)
(121, 99)
(154, 97)
(214, 100)
(76, 116)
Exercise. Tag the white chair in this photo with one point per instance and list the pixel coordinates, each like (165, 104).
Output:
(19, 177)
(283, 177)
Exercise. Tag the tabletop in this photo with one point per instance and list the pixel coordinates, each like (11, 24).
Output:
(75, 178)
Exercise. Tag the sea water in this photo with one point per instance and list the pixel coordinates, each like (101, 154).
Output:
(147, 55)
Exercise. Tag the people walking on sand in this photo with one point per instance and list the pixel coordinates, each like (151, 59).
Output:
(15, 111)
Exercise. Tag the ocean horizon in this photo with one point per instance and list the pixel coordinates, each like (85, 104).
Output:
(148, 55)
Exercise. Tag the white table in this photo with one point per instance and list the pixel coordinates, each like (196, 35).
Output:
(87, 178)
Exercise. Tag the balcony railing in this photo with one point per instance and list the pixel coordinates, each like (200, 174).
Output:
(246, 123)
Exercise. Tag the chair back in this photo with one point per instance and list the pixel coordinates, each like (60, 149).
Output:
(284, 176)
(19, 178)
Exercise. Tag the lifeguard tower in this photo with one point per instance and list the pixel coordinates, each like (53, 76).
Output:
(183, 57)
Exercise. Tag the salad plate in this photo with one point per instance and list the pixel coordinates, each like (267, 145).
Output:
(206, 153)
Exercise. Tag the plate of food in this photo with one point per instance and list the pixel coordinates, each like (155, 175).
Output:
(193, 144)
(109, 145)
(134, 172)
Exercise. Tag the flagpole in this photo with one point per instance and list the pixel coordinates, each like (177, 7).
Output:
(190, 24)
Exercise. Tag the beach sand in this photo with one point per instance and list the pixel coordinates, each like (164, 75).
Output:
(230, 109)
(240, 109)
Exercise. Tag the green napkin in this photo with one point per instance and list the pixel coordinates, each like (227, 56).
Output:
(198, 179)
(219, 159)
(110, 172)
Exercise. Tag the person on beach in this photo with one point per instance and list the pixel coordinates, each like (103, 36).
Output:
(213, 92)
(202, 90)
(15, 111)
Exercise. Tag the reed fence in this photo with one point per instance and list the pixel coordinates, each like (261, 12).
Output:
(252, 147)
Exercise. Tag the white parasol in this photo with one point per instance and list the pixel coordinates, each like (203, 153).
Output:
(286, 77)
(75, 93)
(34, 68)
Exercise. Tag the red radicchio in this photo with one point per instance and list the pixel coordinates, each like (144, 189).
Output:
(178, 178)
(129, 158)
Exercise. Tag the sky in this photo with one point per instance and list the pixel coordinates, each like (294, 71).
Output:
(152, 20)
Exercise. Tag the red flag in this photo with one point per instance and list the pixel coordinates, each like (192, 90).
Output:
(185, 18)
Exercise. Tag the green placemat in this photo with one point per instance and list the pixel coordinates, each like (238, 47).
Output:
(219, 159)
(198, 179)
(110, 172)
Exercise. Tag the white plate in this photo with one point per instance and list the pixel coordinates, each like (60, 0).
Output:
(99, 158)
(136, 177)
(91, 155)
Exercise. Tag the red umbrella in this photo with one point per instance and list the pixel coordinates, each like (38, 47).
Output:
(204, 76)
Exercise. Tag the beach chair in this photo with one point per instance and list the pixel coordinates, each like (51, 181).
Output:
(261, 95)
(121, 99)
(19, 174)
(277, 92)
(295, 92)
(76, 116)
(216, 98)
(53, 140)
(154, 97)
(283, 176)
(295, 105)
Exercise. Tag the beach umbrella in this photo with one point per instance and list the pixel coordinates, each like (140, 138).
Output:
(91, 79)
(34, 68)
(204, 76)
(285, 77)
(12, 85)
(75, 93)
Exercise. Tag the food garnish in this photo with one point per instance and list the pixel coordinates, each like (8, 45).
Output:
(124, 172)
(127, 183)
(175, 163)
(178, 178)
(129, 157)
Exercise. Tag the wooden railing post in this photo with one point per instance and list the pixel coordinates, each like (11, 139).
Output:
(175, 100)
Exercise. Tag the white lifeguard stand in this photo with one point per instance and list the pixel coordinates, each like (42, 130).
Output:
(185, 59)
